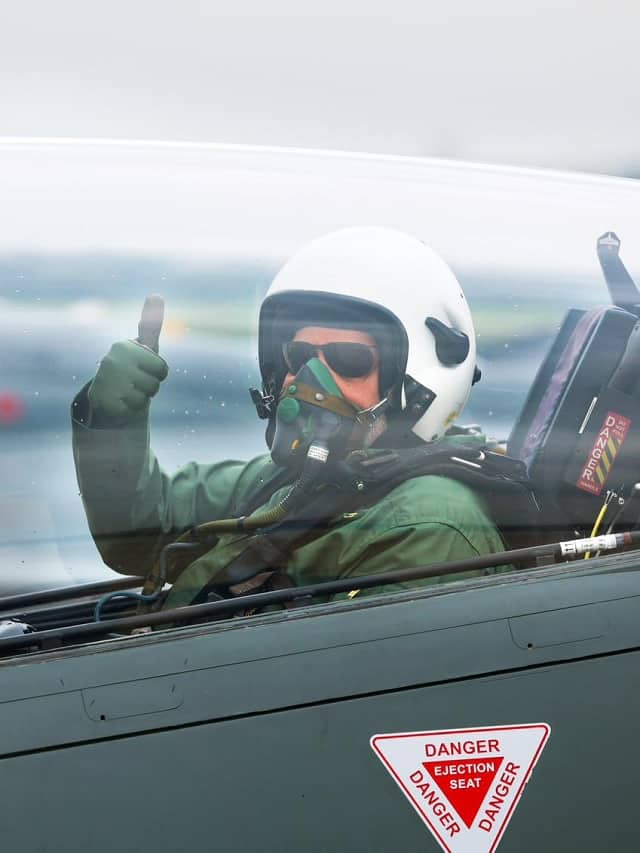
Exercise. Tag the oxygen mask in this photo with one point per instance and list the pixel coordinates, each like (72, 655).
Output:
(312, 417)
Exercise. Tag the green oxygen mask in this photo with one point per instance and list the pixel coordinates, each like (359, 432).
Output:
(312, 413)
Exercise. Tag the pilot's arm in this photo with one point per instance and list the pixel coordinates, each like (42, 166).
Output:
(133, 508)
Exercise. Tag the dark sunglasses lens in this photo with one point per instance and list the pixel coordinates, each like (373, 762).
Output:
(297, 353)
(349, 360)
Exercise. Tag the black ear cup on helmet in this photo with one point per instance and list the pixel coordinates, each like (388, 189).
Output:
(452, 346)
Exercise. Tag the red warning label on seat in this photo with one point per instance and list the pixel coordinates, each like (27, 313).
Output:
(464, 783)
(605, 448)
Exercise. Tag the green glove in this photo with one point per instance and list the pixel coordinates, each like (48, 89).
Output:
(131, 372)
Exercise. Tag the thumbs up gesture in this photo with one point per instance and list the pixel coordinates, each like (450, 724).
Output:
(131, 372)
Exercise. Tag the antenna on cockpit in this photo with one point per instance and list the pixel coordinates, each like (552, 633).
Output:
(622, 288)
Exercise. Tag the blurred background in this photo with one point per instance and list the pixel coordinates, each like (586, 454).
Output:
(548, 83)
(88, 228)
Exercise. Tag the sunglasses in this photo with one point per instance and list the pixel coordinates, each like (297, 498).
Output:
(348, 360)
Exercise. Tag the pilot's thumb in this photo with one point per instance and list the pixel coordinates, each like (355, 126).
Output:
(151, 321)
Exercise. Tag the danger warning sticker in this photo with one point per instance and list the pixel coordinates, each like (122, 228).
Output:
(605, 448)
(464, 783)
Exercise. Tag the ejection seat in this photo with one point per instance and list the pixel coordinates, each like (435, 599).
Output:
(577, 433)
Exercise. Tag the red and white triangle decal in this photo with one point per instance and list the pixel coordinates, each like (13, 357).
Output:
(464, 783)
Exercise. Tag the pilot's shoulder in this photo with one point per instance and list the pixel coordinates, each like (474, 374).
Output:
(255, 475)
(256, 470)
(432, 499)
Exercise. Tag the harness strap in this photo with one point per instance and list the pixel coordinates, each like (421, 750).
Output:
(367, 476)
(267, 581)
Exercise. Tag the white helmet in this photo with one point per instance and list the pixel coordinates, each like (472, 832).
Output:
(400, 291)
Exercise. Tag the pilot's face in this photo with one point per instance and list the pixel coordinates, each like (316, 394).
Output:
(363, 392)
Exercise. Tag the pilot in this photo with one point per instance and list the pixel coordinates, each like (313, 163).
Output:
(367, 352)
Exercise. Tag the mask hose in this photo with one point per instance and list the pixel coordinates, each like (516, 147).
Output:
(316, 459)
(299, 490)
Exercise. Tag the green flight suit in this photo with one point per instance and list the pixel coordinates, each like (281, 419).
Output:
(134, 509)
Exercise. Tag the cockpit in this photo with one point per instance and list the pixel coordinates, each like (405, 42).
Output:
(546, 439)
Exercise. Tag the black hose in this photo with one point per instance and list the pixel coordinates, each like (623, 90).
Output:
(298, 492)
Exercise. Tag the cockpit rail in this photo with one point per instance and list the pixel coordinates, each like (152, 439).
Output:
(90, 631)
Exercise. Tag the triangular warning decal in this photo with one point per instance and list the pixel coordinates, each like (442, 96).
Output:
(464, 783)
